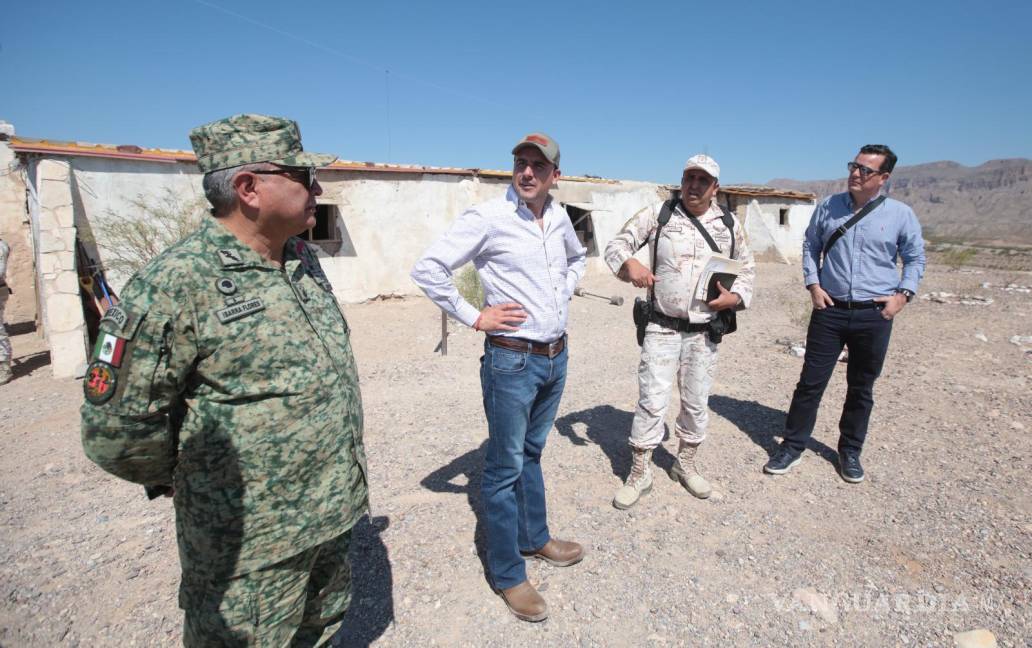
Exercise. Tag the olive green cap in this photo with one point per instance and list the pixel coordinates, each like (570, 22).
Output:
(247, 139)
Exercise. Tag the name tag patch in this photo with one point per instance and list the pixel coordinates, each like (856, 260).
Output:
(237, 311)
(117, 316)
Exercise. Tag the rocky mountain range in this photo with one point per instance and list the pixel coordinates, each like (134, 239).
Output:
(989, 204)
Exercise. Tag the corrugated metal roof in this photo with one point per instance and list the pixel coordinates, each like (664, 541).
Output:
(133, 152)
(770, 192)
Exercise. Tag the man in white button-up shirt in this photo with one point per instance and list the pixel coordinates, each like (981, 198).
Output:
(529, 260)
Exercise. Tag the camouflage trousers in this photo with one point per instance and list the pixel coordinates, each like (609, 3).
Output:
(692, 358)
(300, 601)
(5, 341)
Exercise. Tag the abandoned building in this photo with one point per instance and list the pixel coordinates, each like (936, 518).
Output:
(373, 221)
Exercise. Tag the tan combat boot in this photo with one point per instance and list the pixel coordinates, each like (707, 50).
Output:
(684, 471)
(638, 483)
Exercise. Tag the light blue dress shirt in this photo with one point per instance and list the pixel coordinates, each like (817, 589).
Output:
(862, 265)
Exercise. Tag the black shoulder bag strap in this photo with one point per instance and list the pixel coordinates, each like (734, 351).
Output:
(729, 223)
(837, 234)
(664, 218)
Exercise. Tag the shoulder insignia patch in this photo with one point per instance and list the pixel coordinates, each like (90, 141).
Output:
(229, 257)
(226, 286)
(100, 382)
(110, 349)
(118, 317)
(237, 311)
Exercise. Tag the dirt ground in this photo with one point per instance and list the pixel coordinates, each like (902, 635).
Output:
(936, 541)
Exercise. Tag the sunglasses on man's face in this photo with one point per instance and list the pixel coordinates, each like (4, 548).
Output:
(865, 171)
(304, 175)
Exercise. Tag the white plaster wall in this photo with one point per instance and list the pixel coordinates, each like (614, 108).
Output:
(767, 237)
(391, 219)
(104, 185)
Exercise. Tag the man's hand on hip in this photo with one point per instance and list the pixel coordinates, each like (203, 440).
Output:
(501, 317)
(632, 270)
(820, 299)
(893, 304)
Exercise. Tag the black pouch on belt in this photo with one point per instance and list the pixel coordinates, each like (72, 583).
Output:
(724, 323)
(642, 313)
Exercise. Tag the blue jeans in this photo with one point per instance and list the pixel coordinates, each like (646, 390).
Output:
(866, 333)
(521, 397)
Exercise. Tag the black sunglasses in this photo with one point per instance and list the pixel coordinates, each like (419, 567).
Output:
(304, 175)
(865, 171)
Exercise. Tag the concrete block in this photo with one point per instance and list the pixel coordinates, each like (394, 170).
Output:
(48, 221)
(50, 264)
(64, 313)
(67, 354)
(51, 241)
(65, 215)
(53, 171)
(67, 282)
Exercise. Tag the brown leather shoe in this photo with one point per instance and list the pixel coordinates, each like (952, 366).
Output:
(525, 602)
(560, 553)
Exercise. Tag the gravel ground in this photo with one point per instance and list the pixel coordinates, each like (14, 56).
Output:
(936, 541)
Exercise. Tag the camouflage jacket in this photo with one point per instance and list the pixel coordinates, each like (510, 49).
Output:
(233, 381)
(683, 253)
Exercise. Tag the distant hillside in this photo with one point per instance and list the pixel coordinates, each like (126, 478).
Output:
(986, 204)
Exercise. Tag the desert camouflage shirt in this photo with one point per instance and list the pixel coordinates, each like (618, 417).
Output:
(683, 253)
(232, 380)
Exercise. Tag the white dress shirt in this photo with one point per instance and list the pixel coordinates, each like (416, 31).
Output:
(517, 261)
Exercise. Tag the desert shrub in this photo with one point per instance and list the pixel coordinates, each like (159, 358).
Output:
(959, 257)
(467, 281)
(131, 240)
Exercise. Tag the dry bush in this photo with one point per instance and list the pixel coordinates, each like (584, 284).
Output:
(131, 241)
(467, 281)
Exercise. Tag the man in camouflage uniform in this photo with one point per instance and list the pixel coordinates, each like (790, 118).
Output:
(225, 378)
(676, 339)
(5, 341)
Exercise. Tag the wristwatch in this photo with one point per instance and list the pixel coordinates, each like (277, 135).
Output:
(909, 294)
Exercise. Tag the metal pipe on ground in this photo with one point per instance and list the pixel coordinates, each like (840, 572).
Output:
(615, 300)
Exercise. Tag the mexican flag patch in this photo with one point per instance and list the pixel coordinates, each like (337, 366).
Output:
(109, 349)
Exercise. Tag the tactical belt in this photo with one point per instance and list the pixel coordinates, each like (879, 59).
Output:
(856, 305)
(550, 349)
(677, 324)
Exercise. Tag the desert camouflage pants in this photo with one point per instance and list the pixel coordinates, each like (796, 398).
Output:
(300, 601)
(692, 358)
(5, 341)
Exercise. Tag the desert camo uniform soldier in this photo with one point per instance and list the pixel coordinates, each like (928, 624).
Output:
(676, 342)
(5, 291)
(225, 378)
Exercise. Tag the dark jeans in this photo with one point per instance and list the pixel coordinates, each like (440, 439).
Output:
(866, 333)
(521, 397)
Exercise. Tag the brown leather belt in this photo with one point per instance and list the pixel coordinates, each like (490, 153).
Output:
(550, 349)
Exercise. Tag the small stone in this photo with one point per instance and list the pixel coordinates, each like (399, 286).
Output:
(981, 336)
(980, 638)
(731, 598)
(1017, 425)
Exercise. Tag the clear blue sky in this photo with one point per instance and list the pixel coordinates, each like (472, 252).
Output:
(630, 90)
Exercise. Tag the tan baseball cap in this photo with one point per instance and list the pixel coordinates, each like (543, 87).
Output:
(246, 139)
(548, 146)
(705, 163)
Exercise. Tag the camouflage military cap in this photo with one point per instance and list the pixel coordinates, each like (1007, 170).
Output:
(247, 138)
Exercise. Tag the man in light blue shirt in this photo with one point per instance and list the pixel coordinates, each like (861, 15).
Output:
(856, 290)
